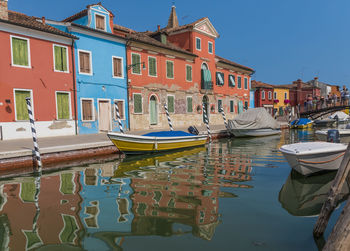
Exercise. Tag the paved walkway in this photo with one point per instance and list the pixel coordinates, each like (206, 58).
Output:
(24, 147)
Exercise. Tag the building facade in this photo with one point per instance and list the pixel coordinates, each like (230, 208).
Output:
(263, 95)
(36, 62)
(100, 69)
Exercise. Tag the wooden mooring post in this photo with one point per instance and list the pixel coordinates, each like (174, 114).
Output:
(331, 203)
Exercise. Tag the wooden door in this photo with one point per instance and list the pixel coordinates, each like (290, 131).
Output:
(104, 116)
(153, 111)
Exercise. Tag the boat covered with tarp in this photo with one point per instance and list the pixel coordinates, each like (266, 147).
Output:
(340, 117)
(252, 123)
(155, 141)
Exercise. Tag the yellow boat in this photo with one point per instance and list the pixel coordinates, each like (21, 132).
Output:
(301, 123)
(155, 141)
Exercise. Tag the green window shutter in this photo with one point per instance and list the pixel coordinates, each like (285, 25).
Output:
(232, 106)
(219, 105)
(67, 186)
(171, 106)
(20, 51)
(189, 104)
(64, 59)
(33, 239)
(152, 70)
(239, 82)
(62, 105)
(58, 58)
(245, 83)
(169, 69)
(68, 234)
(21, 105)
(188, 73)
(135, 61)
(137, 103)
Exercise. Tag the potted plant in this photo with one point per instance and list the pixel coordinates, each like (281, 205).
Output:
(276, 101)
(286, 101)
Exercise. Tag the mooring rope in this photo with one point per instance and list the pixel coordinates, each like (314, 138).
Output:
(118, 117)
(35, 141)
(321, 162)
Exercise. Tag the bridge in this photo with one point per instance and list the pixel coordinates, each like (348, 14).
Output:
(318, 113)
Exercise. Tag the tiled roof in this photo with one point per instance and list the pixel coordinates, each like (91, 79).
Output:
(98, 31)
(226, 61)
(122, 28)
(145, 38)
(258, 84)
(20, 19)
(183, 27)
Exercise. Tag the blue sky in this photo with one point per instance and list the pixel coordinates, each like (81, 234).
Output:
(282, 40)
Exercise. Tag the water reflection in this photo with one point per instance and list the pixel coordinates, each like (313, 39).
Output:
(304, 196)
(97, 207)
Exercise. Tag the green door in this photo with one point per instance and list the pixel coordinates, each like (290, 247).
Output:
(153, 112)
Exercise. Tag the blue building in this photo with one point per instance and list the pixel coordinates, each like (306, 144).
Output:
(100, 69)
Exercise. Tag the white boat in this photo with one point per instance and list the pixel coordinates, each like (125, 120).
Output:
(325, 122)
(255, 122)
(310, 157)
(340, 117)
(344, 135)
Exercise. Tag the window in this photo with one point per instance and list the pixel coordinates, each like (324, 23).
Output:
(117, 67)
(263, 95)
(136, 63)
(152, 66)
(189, 104)
(169, 69)
(171, 104)
(274, 95)
(121, 108)
(231, 80)
(232, 106)
(219, 105)
(239, 79)
(63, 105)
(270, 95)
(220, 78)
(246, 105)
(85, 62)
(245, 83)
(60, 58)
(100, 22)
(21, 104)
(285, 95)
(198, 43)
(188, 73)
(87, 112)
(137, 103)
(210, 47)
(20, 52)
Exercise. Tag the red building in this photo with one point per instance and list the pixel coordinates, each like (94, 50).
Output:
(177, 65)
(263, 95)
(35, 62)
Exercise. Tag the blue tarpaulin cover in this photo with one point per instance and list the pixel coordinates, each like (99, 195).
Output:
(301, 121)
(168, 134)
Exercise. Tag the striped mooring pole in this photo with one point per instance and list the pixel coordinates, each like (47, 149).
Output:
(275, 115)
(168, 116)
(206, 121)
(118, 117)
(35, 141)
(37, 183)
(290, 116)
(224, 117)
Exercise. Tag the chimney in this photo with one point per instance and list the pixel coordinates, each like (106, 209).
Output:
(3, 10)
(158, 27)
(43, 20)
(316, 81)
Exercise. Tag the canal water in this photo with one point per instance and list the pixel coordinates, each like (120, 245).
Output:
(233, 194)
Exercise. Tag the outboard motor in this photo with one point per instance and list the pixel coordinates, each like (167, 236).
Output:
(193, 130)
(333, 136)
(347, 126)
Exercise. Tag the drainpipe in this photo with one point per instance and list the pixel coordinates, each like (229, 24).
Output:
(74, 90)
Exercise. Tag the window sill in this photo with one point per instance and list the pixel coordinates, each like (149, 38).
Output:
(21, 66)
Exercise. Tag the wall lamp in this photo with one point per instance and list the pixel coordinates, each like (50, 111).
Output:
(132, 65)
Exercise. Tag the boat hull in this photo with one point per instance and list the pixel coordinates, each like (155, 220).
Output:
(254, 132)
(343, 134)
(135, 144)
(306, 126)
(309, 164)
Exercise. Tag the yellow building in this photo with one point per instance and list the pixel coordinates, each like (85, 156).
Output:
(280, 98)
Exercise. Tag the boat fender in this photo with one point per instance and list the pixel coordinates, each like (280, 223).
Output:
(193, 130)
(333, 136)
